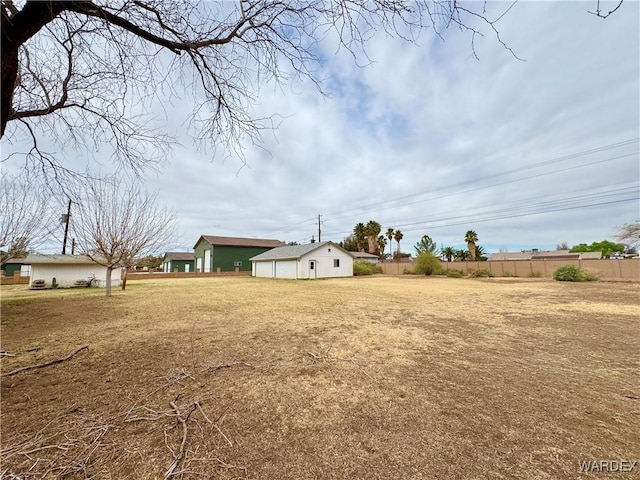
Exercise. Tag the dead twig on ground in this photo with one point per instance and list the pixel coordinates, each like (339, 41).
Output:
(214, 424)
(45, 364)
(178, 377)
(215, 368)
(7, 354)
(180, 456)
(64, 452)
(326, 357)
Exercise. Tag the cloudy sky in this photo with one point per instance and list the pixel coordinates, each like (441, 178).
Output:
(529, 152)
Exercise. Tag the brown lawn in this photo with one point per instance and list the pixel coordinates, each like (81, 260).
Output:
(368, 377)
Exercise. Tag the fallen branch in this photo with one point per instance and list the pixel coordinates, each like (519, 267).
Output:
(325, 357)
(215, 368)
(7, 354)
(178, 459)
(197, 404)
(45, 364)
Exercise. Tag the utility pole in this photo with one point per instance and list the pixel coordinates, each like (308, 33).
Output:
(319, 230)
(65, 220)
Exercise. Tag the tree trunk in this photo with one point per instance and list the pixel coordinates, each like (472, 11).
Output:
(9, 75)
(16, 30)
(124, 278)
(472, 251)
(109, 270)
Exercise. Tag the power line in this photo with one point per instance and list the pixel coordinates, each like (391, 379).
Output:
(396, 202)
(506, 172)
(482, 187)
(534, 209)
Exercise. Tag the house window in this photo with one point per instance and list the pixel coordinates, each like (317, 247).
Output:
(237, 264)
(336, 263)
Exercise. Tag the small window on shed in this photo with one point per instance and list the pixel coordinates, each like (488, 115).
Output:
(237, 264)
(336, 263)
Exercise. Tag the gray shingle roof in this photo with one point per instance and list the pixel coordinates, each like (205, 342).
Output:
(37, 258)
(363, 255)
(292, 252)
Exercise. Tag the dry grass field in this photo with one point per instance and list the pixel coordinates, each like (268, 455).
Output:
(358, 378)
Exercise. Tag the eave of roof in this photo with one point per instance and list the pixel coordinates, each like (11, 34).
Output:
(239, 242)
(38, 259)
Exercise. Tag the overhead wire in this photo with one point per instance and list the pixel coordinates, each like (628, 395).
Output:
(397, 201)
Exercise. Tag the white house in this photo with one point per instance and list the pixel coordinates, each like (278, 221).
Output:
(68, 269)
(313, 260)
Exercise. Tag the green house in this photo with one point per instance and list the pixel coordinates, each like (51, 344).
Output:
(178, 261)
(16, 265)
(228, 254)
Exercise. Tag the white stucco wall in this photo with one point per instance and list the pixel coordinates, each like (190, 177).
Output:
(66, 275)
(324, 258)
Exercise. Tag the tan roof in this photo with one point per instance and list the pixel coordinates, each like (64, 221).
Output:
(544, 255)
(591, 255)
(240, 242)
(179, 256)
(504, 256)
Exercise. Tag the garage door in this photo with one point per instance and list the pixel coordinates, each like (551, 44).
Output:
(286, 269)
(264, 269)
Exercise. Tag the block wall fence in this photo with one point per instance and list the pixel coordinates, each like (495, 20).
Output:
(628, 269)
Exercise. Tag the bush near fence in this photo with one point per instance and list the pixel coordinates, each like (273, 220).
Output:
(605, 269)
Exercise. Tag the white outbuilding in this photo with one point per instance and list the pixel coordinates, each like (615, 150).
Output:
(68, 271)
(312, 260)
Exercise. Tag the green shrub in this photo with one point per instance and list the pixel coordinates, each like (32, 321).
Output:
(453, 273)
(572, 273)
(483, 272)
(509, 274)
(535, 275)
(427, 264)
(362, 267)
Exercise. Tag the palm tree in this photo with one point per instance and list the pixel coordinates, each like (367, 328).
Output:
(372, 230)
(397, 235)
(471, 238)
(382, 243)
(426, 244)
(461, 255)
(390, 233)
(359, 233)
(481, 253)
(448, 253)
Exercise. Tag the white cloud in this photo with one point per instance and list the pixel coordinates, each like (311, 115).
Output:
(429, 116)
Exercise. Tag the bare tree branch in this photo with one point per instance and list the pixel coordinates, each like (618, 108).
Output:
(94, 75)
(45, 364)
(598, 12)
(116, 223)
(24, 216)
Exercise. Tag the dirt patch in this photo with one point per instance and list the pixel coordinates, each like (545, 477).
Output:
(379, 377)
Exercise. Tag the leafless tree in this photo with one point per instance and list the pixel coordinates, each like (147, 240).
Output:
(629, 234)
(24, 216)
(115, 223)
(90, 75)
